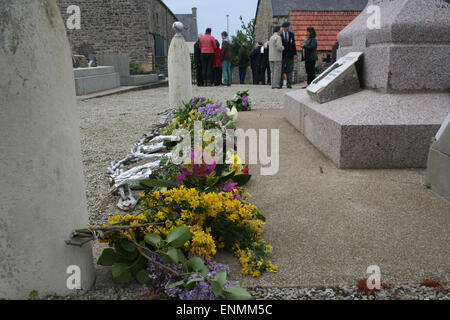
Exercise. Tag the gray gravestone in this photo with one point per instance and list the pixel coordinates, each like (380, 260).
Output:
(339, 80)
(42, 194)
(120, 62)
(180, 80)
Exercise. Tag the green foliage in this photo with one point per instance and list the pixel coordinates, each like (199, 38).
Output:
(153, 240)
(179, 236)
(219, 282)
(143, 277)
(33, 295)
(108, 258)
(157, 183)
(134, 67)
(121, 272)
(236, 293)
(246, 34)
(197, 265)
(124, 269)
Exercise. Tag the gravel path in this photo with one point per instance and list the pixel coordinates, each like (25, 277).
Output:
(109, 127)
(342, 292)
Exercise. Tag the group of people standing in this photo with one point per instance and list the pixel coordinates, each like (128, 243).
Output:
(213, 62)
(283, 54)
(276, 58)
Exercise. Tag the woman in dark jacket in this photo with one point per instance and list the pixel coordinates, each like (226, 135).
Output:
(310, 54)
(243, 62)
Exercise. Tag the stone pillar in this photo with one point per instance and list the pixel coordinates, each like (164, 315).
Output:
(180, 73)
(438, 172)
(42, 194)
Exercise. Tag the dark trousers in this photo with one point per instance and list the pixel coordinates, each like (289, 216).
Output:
(255, 74)
(262, 74)
(242, 74)
(218, 76)
(310, 67)
(199, 75)
(207, 68)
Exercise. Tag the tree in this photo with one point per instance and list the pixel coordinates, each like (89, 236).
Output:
(246, 34)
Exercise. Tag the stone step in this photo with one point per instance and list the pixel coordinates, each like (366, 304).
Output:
(89, 80)
(370, 129)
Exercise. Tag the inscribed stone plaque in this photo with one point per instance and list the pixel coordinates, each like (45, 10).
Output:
(339, 80)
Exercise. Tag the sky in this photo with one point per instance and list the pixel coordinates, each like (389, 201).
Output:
(213, 13)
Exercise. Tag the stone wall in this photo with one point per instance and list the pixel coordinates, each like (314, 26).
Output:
(264, 21)
(125, 26)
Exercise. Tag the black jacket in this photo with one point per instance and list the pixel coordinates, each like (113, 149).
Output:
(310, 49)
(243, 57)
(255, 58)
(197, 53)
(264, 58)
(290, 49)
(227, 52)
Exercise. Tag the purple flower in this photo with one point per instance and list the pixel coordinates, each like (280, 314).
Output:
(211, 110)
(244, 99)
(202, 291)
(196, 101)
(228, 187)
(198, 168)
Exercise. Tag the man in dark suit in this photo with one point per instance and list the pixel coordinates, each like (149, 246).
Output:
(289, 54)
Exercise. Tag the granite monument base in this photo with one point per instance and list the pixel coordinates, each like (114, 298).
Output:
(370, 129)
(438, 173)
(138, 80)
(438, 170)
(89, 80)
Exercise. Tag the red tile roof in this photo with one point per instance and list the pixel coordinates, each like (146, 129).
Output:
(327, 24)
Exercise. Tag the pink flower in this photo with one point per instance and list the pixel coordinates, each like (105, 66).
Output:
(196, 170)
(228, 187)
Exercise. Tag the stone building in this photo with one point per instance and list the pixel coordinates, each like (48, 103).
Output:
(190, 32)
(328, 17)
(140, 28)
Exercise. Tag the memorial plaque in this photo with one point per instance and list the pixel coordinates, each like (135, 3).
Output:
(339, 80)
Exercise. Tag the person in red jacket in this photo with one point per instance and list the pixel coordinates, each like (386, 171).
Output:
(218, 66)
(208, 48)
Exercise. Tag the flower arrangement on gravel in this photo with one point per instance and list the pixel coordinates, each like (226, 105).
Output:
(185, 214)
(241, 101)
(217, 220)
(209, 198)
(137, 251)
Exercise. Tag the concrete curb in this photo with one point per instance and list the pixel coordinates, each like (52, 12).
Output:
(121, 90)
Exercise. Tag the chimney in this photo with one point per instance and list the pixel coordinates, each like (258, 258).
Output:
(194, 13)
